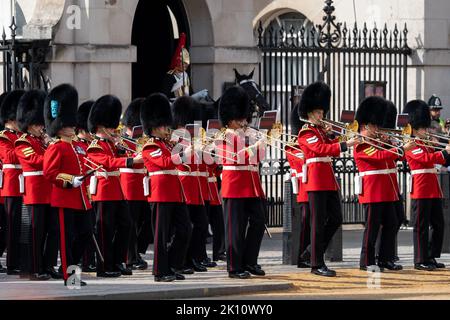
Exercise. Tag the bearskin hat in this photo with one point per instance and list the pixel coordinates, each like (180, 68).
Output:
(234, 105)
(155, 112)
(184, 109)
(83, 115)
(315, 96)
(60, 109)
(2, 97)
(390, 116)
(31, 109)
(371, 110)
(105, 112)
(419, 114)
(8, 109)
(296, 123)
(132, 116)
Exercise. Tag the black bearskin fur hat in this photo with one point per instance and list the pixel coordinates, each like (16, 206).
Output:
(315, 96)
(132, 116)
(155, 112)
(234, 105)
(60, 109)
(31, 109)
(371, 110)
(106, 112)
(8, 109)
(419, 114)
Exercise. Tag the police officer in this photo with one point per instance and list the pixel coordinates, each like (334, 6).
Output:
(437, 124)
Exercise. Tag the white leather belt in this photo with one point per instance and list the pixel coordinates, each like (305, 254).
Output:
(374, 172)
(193, 174)
(314, 160)
(136, 171)
(212, 179)
(241, 168)
(33, 173)
(163, 172)
(12, 166)
(107, 174)
(422, 171)
(299, 175)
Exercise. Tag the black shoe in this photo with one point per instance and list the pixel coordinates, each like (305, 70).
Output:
(108, 274)
(323, 271)
(53, 273)
(122, 268)
(372, 268)
(198, 267)
(2, 270)
(220, 257)
(396, 259)
(424, 266)
(185, 271)
(208, 263)
(255, 270)
(40, 277)
(239, 275)
(438, 265)
(305, 257)
(12, 272)
(390, 266)
(179, 276)
(167, 278)
(141, 264)
(303, 263)
(90, 268)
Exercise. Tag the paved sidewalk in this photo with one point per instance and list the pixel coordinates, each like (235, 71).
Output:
(200, 285)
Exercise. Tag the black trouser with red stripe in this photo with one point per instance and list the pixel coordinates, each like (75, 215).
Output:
(377, 215)
(3, 228)
(13, 208)
(326, 218)
(197, 245)
(90, 251)
(113, 233)
(243, 243)
(138, 210)
(169, 219)
(305, 229)
(75, 232)
(215, 216)
(428, 221)
(44, 237)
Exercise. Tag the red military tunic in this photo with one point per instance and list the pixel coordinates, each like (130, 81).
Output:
(318, 149)
(240, 177)
(190, 179)
(105, 153)
(425, 185)
(62, 162)
(165, 185)
(80, 146)
(30, 152)
(295, 160)
(11, 165)
(131, 179)
(375, 174)
(214, 172)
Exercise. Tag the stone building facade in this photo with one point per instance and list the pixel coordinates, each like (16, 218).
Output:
(123, 46)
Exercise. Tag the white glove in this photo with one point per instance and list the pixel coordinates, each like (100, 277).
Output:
(77, 182)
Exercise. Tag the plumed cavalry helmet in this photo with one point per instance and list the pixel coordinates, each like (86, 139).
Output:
(419, 114)
(105, 112)
(371, 110)
(30, 110)
(315, 96)
(390, 116)
(132, 116)
(155, 112)
(83, 115)
(8, 108)
(234, 105)
(181, 55)
(60, 109)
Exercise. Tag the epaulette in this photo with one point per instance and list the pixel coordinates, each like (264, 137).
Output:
(171, 71)
(54, 141)
(306, 127)
(150, 142)
(94, 145)
(23, 138)
(3, 135)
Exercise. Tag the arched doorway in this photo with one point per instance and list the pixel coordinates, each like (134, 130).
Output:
(156, 28)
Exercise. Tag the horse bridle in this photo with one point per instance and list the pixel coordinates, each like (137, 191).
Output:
(258, 92)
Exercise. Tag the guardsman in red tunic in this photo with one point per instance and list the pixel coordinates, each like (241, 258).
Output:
(30, 148)
(318, 175)
(195, 184)
(11, 189)
(81, 143)
(377, 190)
(113, 218)
(244, 199)
(425, 192)
(168, 208)
(2, 203)
(64, 168)
(133, 190)
(295, 159)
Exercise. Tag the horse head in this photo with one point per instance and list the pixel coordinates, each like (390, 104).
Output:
(254, 92)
